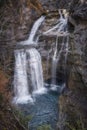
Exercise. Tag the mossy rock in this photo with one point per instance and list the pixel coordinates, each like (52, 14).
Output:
(44, 127)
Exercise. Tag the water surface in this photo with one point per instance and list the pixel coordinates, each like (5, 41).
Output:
(44, 110)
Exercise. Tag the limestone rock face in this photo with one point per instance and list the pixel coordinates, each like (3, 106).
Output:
(73, 102)
(17, 18)
(50, 5)
(15, 24)
(53, 5)
(63, 4)
(78, 9)
(78, 12)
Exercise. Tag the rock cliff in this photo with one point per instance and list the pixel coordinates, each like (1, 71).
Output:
(73, 102)
(15, 23)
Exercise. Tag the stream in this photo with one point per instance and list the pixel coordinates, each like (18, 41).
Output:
(44, 109)
(34, 98)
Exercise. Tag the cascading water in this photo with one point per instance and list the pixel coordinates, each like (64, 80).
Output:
(67, 48)
(28, 77)
(36, 72)
(20, 78)
(54, 64)
(34, 29)
(21, 85)
(62, 31)
(56, 58)
(60, 27)
(48, 58)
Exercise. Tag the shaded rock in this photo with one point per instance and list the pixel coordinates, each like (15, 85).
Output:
(73, 108)
(63, 4)
(78, 10)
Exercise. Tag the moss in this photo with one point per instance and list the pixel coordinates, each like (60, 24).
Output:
(44, 127)
(79, 125)
(22, 118)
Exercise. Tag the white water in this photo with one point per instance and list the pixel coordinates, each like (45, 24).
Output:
(34, 29)
(67, 48)
(28, 59)
(21, 91)
(28, 76)
(36, 70)
(54, 64)
(48, 58)
(61, 28)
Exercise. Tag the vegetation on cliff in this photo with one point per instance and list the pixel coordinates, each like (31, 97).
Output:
(11, 17)
(16, 19)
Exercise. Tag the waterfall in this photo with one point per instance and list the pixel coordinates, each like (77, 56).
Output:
(61, 25)
(67, 48)
(54, 63)
(28, 67)
(36, 72)
(48, 58)
(28, 73)
(20, 78)
(34, 29)
(62, 32)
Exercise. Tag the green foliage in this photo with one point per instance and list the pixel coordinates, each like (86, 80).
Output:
(70, 126)
(22, 118)
(78, 126)
(44, 127)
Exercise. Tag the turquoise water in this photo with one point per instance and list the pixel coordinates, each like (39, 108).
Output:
(44, 110)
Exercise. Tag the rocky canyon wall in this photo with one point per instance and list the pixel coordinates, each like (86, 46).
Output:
(17, 18)
(73, 102)
(15, 23)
